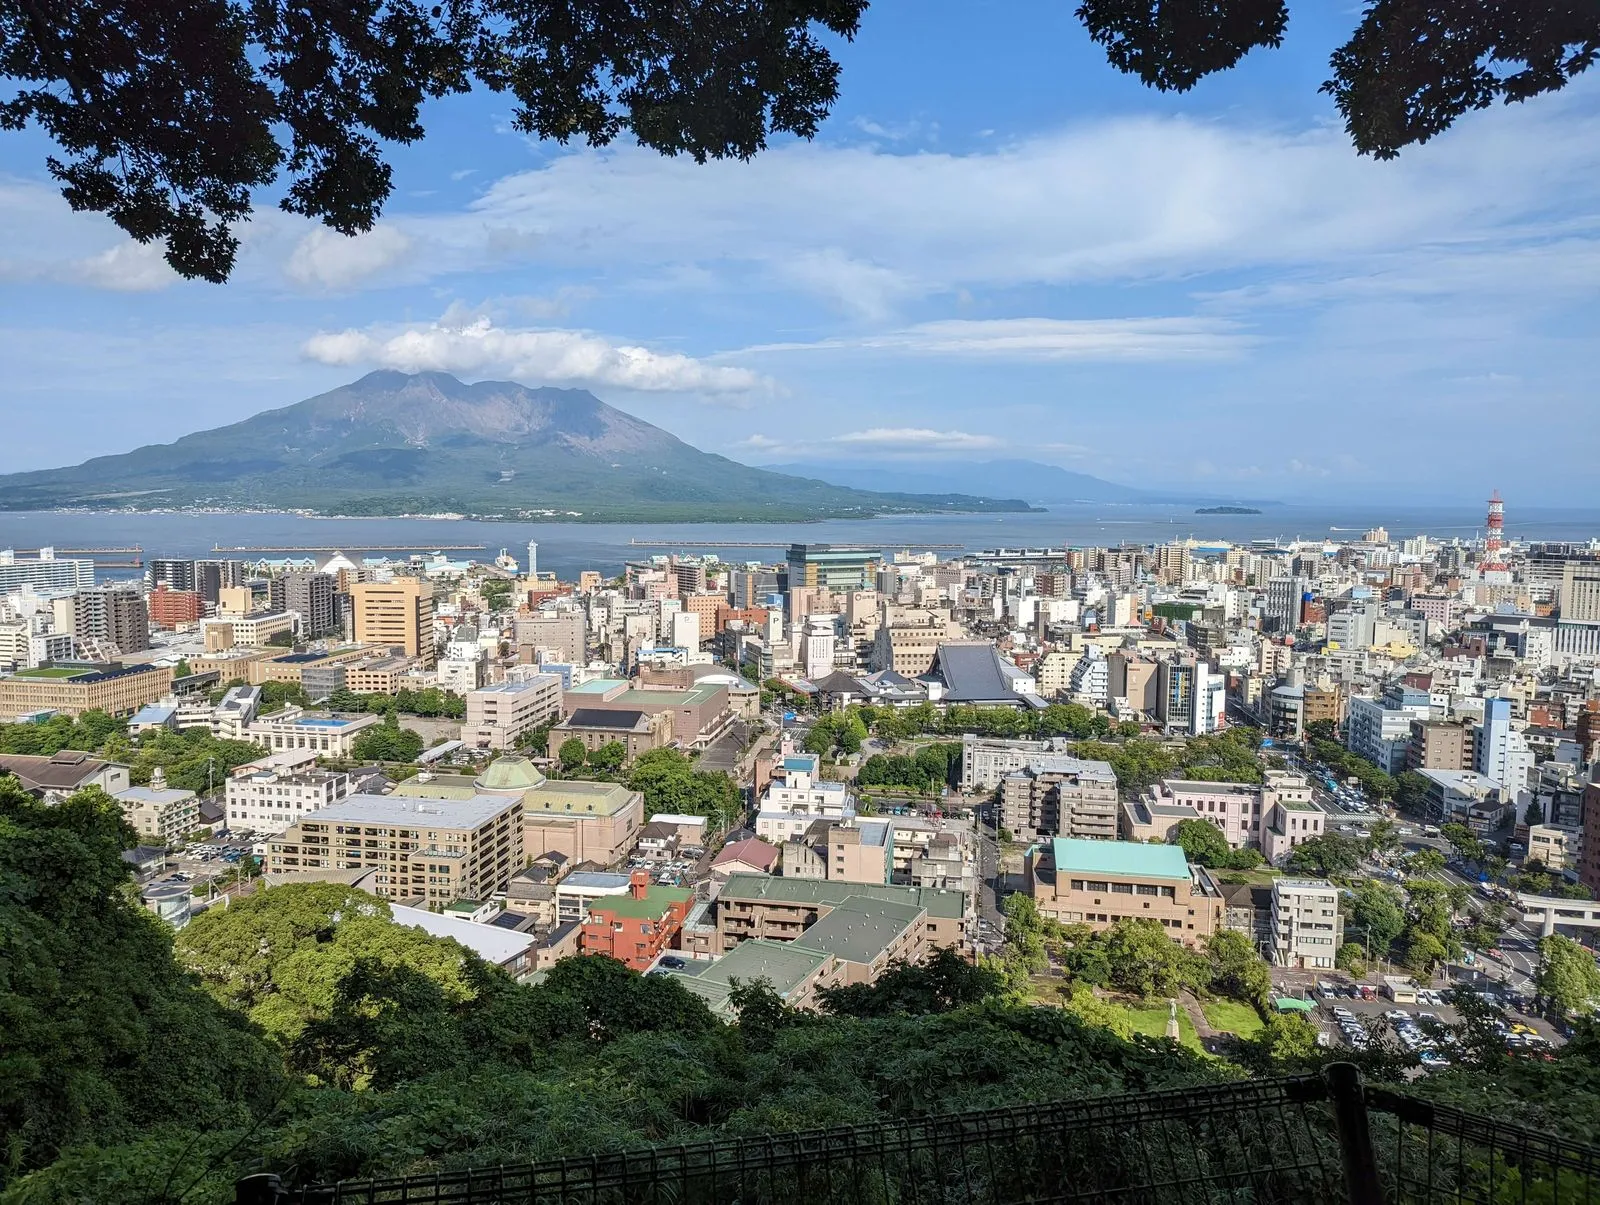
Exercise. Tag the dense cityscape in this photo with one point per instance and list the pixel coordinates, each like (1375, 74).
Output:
(1272, 804)
(798, 602)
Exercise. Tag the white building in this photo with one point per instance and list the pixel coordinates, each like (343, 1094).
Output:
(462, 675)
(1500, 753)
(294, 728)
(1306, 927)
(46, 571)
(797, 798)
(1382, 734)
(269, 795)
(1090, 683)
(161, 815)
(1210, 705)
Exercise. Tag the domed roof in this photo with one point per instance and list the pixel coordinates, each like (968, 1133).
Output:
(507, 775)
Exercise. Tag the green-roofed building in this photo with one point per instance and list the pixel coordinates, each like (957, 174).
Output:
(780, 909)
(796, 972)
(1098, 883)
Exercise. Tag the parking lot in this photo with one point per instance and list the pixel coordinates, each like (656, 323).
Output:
(1354, 1021)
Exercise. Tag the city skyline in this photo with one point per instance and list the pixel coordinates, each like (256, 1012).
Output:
(961, 265)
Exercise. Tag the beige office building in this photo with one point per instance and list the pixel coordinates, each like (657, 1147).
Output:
(1059, 795)
(436, 850)
(1098, 883)
(1580, 590)
(397, 614)
(116, 689)
(908, 637)
(497, 715)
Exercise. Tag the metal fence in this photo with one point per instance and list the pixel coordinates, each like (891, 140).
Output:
(1258, 1142)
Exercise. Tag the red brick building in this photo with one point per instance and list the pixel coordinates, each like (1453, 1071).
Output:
(172, 609)
(636, 927)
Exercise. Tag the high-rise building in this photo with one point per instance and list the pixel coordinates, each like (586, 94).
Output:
(175, 573)
(1285, 595)
(46, 571)
(1499, 751)
(533, 558)
(397, 614)
(112, 614)
(310, 594)
(833, 566)
(1580, 590)
(172, 609)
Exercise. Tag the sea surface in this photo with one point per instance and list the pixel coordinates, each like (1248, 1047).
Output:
(565, 548)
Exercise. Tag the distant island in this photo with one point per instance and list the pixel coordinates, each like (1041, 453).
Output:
(1226, 510)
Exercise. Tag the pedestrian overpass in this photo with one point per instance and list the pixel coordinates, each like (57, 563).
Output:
(1549, 911)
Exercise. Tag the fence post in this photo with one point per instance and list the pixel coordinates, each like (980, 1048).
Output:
(261, 1189)
(1355, 1133)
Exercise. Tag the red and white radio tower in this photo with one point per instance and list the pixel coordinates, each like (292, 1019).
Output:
(1494, 539)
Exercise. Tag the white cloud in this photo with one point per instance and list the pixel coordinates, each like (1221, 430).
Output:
(128, 267)
(1106, 201)
(542, 356)
(1098, 339)
(327, 260)
(919, 438)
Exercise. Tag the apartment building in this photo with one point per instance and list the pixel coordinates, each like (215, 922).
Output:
(46, 571)
(1558, 847)
(397, 614)
(75, 689)
(796, 798)
(1307, 929)
(309, 595)
(269, 795)
(1060, 795)
(431, 850)
(251, 631)
(781, 909)
(908, 638)
(380, 675)
(497, 715)
(1439, 745)
(161, 815)
(294, 728)
(636, 928)
(560, 633)
(854, 851)
(1098, 883)
(115, 616)
(985, 761)
(174, 609)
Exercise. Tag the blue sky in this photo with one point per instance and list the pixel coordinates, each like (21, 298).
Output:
(997, 247)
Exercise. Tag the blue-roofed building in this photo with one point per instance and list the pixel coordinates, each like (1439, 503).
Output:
(153, 716)
(1098, 883)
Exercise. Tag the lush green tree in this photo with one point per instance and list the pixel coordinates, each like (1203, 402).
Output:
(670, 783)
(1351, 958)
(101, 1032)
(495, 592)
(1382, 837)
(1411, 792)
(1533, 814)
(1424, 862)
(608, 758)
(1327, 855)
(177, 150)
(1236, 969)
(1203, 843)
(572, 754)
(1376, 914)
(1325, 731)
(1464, 841)
(1145, 961)
(387, 742)
(1287, 1042)
(1080, 1001)
(944, 982)
(1567, 975)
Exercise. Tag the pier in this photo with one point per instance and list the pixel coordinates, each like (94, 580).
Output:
(785, 543)
(348, 547)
